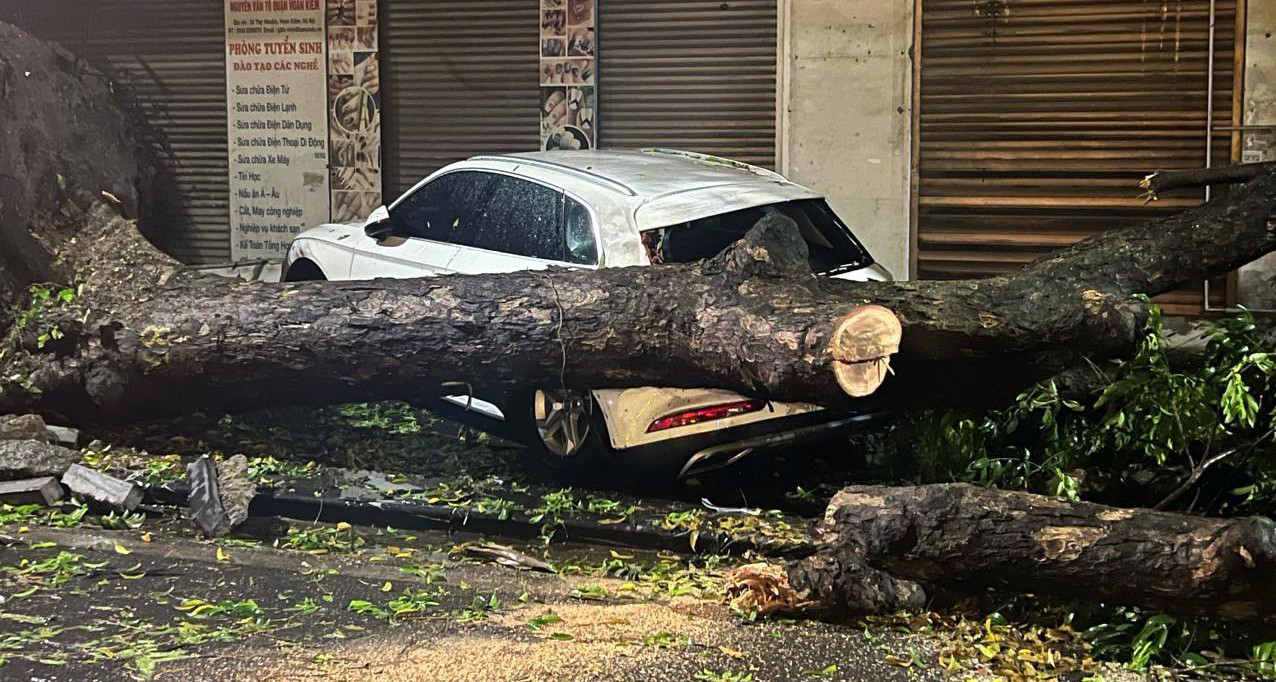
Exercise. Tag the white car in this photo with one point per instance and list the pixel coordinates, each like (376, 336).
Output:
(592, 209)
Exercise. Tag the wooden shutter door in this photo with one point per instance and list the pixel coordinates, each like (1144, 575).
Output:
(1039, 117)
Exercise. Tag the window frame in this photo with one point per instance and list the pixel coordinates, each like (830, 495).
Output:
(593, 216)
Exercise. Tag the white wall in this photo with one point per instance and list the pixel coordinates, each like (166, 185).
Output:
(1258, 280)
(846, 119)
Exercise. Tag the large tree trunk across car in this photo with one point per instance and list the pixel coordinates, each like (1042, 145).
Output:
(146, 336)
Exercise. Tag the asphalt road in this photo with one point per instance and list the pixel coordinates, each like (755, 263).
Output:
(88, 604)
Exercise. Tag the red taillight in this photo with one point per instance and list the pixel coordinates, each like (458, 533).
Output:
(705, 414)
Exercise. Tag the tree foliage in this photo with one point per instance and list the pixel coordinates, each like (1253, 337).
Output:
(1207, 425)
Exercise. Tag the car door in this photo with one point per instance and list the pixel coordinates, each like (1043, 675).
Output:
(524, 225)
(424, 228)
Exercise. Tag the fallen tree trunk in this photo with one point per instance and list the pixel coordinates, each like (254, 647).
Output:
(147, 337)
(1166, 180)
(881, 548)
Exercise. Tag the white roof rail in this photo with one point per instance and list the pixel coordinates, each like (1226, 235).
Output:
(717, 161)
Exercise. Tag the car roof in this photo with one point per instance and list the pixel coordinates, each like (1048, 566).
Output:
(665, 187)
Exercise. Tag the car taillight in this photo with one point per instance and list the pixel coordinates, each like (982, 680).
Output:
(705, 414)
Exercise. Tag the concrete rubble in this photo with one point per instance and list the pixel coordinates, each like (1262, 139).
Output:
(219, 494)
(43, 491)
(23, 427)
(106, 490)
(33, 459)
(33, 427)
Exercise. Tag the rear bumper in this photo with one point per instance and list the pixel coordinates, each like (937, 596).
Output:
(700, 453)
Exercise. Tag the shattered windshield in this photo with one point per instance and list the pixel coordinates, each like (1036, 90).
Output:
(833, 248)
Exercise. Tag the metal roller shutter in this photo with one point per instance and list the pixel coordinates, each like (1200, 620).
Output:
(1038, 118)
(171, 56)
(459, 79)
(698, 75)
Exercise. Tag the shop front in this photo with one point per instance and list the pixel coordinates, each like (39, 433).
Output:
(274, 115)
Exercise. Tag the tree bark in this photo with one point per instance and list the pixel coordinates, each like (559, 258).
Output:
(148, 337)
(881, 548)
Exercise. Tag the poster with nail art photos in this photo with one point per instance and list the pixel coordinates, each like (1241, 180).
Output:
(581, 105)
(341, 38)
(354, 106)
(365, 12)
(341, 63)
(365, 38)
(567, 72)
(341, 12)
(553, 47)
(578, 72)
(566, 138)
(567, 118)
(553, 108)
(336, 84)
(580, 12)
(553, 22)
(367, 73)
(580, 41)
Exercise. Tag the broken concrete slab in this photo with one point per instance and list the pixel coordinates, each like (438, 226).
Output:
(33, 459)
(220, 494)
(63, 435)
(43, 490)
(205, 504)
(23, 427)
(235, 489)
(99, 487)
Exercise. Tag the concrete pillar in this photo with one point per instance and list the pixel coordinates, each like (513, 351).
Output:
(1257, 282)
(846, 114)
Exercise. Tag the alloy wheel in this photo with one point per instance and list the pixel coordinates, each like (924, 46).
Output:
(562, 419)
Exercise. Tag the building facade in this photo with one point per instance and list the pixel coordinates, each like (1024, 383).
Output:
(958, 137)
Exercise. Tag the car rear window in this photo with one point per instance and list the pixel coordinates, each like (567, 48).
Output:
(833, 248)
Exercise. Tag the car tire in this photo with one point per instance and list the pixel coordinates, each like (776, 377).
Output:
(563, 430)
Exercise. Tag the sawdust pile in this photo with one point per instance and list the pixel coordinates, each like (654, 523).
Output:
(605, 641)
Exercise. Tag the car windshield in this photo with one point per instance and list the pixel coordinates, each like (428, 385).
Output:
(833, 248)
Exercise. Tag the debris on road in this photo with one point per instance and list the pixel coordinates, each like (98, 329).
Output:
(507, 556)
(22, 427)
(44, 491)
(63, 435)
(34, 459)
(33, 427)
(763, 589)
(220, 494)
(235, 489)
(99, 487)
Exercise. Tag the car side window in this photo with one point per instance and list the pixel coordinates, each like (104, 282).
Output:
(519, 217)
(578, 228)
(443, 208)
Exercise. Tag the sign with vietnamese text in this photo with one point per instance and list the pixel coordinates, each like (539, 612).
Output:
(276, 96)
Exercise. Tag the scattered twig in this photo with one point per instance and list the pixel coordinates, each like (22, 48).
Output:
(1200, 469)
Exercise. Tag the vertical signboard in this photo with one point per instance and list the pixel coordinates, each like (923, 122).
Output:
(354, 101)
(569, 87)
(277, 123)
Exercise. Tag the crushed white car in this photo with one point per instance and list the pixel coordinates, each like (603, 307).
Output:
(594, 209)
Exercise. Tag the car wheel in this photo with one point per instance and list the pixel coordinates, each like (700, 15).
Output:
(563, 428)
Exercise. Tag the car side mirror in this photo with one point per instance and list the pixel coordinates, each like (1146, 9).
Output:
(379, 224)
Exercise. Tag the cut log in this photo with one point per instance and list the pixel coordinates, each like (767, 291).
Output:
(881, 547)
